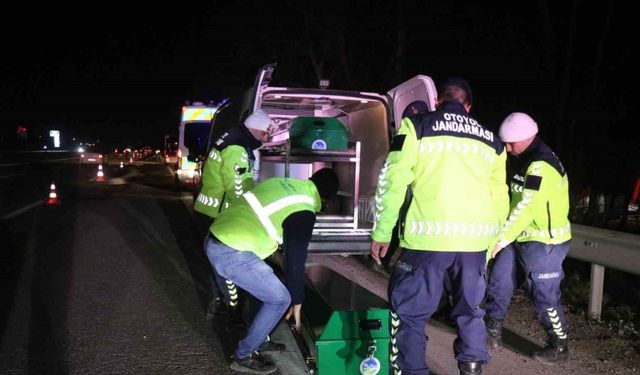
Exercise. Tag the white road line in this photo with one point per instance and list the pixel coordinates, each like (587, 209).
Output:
(13, 175)
(24, 209)
(36, 162)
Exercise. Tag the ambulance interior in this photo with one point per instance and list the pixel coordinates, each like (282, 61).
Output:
(365, 117)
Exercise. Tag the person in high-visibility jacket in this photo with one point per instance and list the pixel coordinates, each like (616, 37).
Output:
(227, 174)
(536, 235)
(444, 180)
(277, 212)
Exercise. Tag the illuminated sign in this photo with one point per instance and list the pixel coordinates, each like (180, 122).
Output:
(55, 134)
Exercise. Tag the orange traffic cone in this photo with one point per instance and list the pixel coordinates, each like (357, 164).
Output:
(100, 177)
(53, 196)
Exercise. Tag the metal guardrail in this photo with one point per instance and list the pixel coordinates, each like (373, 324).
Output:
(600, 247)
(604, 248)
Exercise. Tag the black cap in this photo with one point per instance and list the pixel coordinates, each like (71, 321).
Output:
(460, 83)
(415, 107)
(326, 181)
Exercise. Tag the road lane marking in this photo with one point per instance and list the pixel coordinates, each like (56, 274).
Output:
(36, 162)
(13, 175)
(24, 209)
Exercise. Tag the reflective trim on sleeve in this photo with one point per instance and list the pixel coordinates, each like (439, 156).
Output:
(544, 233)
(208, 201)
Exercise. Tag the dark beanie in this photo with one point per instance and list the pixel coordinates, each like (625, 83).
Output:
(326, 181)
(419, 106)
(462, 84)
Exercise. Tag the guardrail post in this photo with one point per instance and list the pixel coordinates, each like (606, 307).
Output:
(595, 291)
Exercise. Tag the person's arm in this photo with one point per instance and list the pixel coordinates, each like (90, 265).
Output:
(236, 176)
(396, 174)
(297, 230)
(296, 234)
(499, 188)
(537, 183)
(500, 196)
(211, 190)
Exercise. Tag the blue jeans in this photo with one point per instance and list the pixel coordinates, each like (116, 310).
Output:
(415, 288)
(542, 265)
(255, 276)
(221, 287)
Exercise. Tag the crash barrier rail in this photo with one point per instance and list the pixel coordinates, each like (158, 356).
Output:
(599, 247)
(604, 248)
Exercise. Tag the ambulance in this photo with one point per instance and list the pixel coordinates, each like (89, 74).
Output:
(349, 131)
(193, 136)
(347, 329)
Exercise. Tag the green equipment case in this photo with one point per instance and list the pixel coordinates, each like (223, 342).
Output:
(355, 342)
(318, 133)
(349, 325)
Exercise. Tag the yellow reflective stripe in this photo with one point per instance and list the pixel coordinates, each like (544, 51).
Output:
(556, 323)
(264, 212)
(382, 181)
(287, 201)
(449, 145)
(263, 216)
(395, 350)
(233, 293)
(444, 229)
(192, 114)
(544, 233)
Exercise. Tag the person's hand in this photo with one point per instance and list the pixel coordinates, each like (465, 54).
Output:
(496, 249)
(378, 251)
(295, 312)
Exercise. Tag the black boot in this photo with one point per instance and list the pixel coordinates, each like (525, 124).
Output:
(235, 320)
(494, 333)
(470, 368)
(215, 308)
(253, 364)
(554, 352)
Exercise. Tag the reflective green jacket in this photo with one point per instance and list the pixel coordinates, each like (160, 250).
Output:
(228, 171)
(539, 198)
(254, 222)
(455, 172)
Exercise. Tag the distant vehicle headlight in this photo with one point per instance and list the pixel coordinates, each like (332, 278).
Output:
(80, 149)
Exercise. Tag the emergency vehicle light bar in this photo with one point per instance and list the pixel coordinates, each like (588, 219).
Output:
(197, 113)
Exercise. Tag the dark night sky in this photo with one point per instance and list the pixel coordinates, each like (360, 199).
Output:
(120, 71)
